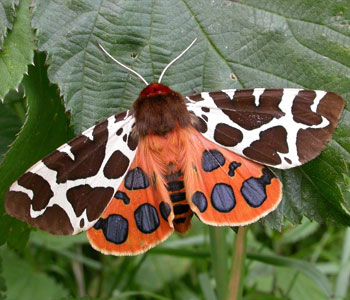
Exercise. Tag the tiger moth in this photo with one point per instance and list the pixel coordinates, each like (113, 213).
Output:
(138, 176)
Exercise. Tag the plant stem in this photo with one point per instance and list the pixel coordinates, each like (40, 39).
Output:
(78, 272)
(219, 255)
(237, 271)
(342, 283)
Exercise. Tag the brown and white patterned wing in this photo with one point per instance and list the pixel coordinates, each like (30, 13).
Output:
(283, 128)
(67, 191)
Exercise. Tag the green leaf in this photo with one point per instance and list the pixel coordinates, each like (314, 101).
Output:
(61, 244)
(261, 296)
(7, 16)
(322, 178)
(57, 243)
(45, 118)
(24, 282)
(297, 264)
(10, 124)
(154, 273)
(298, 286)
(241, 44)
(17, 51)
(127, 295)
(206, 287)
(2, 283)
(298, 233)
(84, 298)
(345, 188)
(182, 291)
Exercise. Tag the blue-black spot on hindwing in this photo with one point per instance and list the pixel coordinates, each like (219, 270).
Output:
(211, 160)
(199, 200)
(136, 179)
(122, 196)
(115, 228)
(232, 167)
(164, 210)
(254, 189)
(223, 198)
(146, 217)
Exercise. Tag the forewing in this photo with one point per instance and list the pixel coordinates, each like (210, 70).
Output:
(283, 128)
(68, 190)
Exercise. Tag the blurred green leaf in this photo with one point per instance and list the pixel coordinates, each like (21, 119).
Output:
(286, 284)
(206, 287)
(261, 296)
(7, 16)
(47, 240)
(2, 283)
(297, 264)
(127, 295)
(17, 51)
(91, 263)
(84, 298)
(25, 282)
(182, 291)
(157, 271)
(303, 287)
(297, 233)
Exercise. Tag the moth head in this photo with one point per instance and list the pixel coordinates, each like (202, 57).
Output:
(155, 89)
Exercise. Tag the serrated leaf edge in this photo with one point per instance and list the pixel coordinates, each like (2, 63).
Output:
(2, 100)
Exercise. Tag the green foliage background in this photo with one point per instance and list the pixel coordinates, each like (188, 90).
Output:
(52, 74)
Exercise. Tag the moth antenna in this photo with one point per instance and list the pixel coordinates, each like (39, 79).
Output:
(175, 59)
(122, 65)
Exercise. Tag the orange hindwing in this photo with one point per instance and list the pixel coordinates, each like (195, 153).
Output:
(171, 178)
(225, 189)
